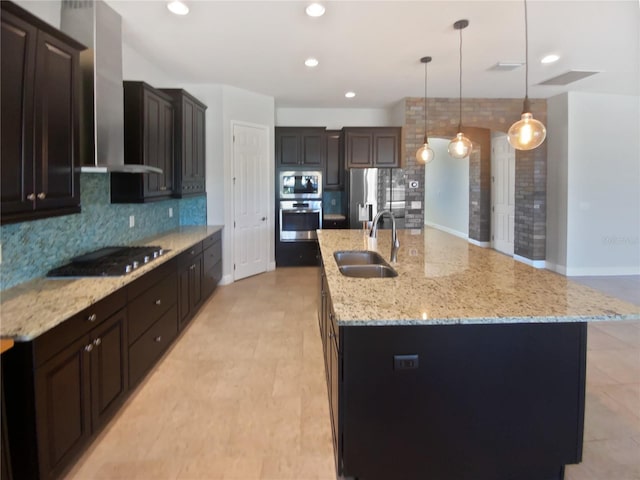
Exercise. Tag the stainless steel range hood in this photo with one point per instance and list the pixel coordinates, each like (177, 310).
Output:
(99, 27)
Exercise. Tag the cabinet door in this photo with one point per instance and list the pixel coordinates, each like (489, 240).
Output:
(57, 181)
(63, 417)
(152, 126)
(18, 46)
(108, 368)
(313, 147)
(199, 142)
(359, 148)
(386, 148)
(166, 147)
(287, 146)
(196, 283)
(334, 178)
(184, 304)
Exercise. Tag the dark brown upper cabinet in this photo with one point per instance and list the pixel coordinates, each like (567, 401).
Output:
(40, 118)
(300, 146)
(334, 176)
(189, 144)
(367, 147)
(148, 140)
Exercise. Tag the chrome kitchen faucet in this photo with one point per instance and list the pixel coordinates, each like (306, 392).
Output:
(395, 243)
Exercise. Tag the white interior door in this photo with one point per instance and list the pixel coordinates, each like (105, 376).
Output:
(503, 171)
(250, 199)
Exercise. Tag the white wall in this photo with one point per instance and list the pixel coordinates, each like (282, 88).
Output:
(557, 181)
(593, 184)
(334, 118)
(47, 10)
(136, 67)
(446, 196)
(603, 228)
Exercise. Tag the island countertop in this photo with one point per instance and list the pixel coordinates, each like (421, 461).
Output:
(32, 308)
(443, 279)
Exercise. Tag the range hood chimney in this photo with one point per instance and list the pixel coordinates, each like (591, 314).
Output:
(98, 26)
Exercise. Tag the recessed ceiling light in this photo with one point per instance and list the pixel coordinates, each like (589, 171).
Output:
(315, 10)
(350, 94)
(178, 7)
(550, 58)
(311, 62)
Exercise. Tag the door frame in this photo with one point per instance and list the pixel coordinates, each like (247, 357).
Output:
(270, 169)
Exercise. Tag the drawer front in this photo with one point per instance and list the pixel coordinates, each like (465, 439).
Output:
(187, 257)
(212, 255)
(151, 305)
(211, 278)
(50, 343)
(211, 239)
(148, 348)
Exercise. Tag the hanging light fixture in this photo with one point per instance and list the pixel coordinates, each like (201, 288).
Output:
(460, 147)
(424, 153)
(527, 133)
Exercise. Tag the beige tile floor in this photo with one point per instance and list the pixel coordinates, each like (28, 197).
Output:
(241, 395)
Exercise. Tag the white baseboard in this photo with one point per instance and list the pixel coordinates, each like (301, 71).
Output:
(473, 241)
(271, 266)
(226, 280)
(447, 230)
(601, 271)
(531, 263)
(561, 269)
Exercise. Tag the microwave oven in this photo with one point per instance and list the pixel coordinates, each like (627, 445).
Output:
(300, 184)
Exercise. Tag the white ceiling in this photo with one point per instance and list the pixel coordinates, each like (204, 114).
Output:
(374, 47)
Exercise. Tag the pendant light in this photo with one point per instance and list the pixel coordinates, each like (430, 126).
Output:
(460, 147)
(424, 153)
(527, 133)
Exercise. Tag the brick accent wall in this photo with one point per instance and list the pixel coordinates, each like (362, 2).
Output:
(480, 116)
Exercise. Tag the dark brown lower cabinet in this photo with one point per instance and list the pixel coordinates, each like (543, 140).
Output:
(189, 284)
(53, 408)
(482, 402)
(63, 386)
(212, 263)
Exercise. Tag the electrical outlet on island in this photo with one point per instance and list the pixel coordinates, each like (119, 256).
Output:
(132, 221)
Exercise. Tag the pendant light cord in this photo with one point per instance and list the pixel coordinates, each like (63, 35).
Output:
(425, 102)
(460, 83)
(526, 51)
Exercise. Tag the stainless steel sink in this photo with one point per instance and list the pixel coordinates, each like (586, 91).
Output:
(358, 257)
(363, 264)
(368, 271)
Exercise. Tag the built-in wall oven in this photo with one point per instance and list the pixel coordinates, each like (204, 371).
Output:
(299, 220)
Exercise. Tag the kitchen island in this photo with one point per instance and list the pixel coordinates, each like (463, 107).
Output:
(473, 366)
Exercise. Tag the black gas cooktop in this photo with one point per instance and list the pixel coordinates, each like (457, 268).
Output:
(108, 262)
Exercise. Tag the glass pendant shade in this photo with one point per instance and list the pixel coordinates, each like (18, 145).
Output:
(460, 147)
(424, 153)
(527, 133)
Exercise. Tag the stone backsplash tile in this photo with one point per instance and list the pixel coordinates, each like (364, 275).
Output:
(30, 249)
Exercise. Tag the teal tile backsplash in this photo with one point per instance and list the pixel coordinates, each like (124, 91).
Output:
(30, 249)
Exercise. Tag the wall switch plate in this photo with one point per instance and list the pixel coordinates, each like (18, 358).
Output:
(0, 253)
(170, 212)
(416, 205)
(405, 362)
(132, 221)
(333, 201)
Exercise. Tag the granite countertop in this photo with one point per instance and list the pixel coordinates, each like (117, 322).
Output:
(32, 308)
(443, 279)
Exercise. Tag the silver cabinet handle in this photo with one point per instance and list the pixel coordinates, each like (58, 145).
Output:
(97, 341)
(88, 348)
(92, 317)
(31, 197)
(158, 302)
(158, 339)
(163, 188)
(192, 267)
(42, 195)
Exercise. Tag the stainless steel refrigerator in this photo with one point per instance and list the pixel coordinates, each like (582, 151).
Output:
(374, 189)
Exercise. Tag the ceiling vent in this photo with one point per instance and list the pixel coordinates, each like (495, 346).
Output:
(568, 77)
(506, 66)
